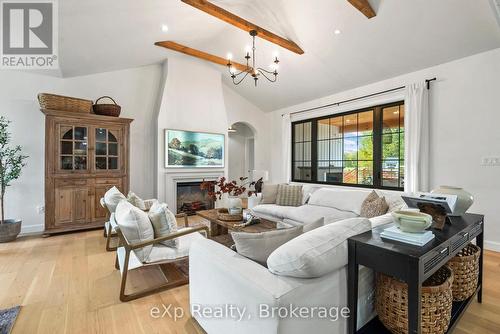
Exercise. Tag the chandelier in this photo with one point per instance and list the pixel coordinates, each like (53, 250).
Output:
(254, 71)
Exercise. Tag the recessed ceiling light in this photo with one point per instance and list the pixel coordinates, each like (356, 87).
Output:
(337, 31)
(164, 28)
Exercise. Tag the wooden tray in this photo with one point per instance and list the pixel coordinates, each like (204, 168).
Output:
(223, 214)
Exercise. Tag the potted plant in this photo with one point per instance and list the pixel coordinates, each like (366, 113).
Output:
(234, 189)
(11, 163)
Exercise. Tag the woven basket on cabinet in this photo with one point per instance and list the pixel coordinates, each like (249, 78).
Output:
(391, 302)
(65, 103)
(465, 267)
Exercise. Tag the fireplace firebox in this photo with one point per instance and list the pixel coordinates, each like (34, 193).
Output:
(190, 198)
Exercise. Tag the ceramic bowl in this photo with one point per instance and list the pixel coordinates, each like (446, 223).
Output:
(411, 221)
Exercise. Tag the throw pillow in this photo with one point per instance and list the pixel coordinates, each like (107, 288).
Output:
(317, 252)
(269, 193)
(164, 222)
(289, 195)
(112, 197)
(136, 201)
(135, 226)
(373, 206)
(258, 246)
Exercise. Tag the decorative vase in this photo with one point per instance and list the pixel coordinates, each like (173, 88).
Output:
(9, 230)
(234, 205)
(464, 198)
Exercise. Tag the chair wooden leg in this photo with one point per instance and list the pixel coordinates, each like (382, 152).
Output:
(117, 263)
(139, 294)
(124, 275)
(108, 239)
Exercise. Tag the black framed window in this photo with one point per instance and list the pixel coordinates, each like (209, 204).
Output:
(362, 148)
(301, 152)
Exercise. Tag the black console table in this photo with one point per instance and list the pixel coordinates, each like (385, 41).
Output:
(413, 265)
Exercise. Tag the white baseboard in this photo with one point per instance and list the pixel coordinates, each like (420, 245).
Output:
(492, 245)
(32, 229)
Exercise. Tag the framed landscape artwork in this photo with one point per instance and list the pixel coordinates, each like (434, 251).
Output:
(194, 149)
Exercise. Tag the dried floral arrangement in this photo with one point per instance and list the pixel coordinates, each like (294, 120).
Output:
(216, 189)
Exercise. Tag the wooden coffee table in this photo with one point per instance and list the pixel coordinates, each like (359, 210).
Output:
(219, 228)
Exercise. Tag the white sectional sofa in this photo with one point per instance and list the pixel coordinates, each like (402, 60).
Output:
(222, 280)
(332, 204)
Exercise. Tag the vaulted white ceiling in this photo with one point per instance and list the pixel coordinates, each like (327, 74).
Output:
(406, 35)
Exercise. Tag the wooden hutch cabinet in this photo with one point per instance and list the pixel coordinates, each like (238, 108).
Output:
(85, 155)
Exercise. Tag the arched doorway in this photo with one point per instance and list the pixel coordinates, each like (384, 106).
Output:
(241, 158)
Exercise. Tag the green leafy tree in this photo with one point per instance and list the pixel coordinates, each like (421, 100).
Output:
(11, 162)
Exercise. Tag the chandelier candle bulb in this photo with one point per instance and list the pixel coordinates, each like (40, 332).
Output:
(251, 68)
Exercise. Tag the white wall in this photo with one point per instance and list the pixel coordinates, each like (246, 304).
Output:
(191, 100)
(464, 128)
(134, 89)
(240, 148)
(194, 98)
(241, 110)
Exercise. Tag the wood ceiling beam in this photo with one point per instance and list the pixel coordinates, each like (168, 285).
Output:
(243, 24)
(364, 7)
(201, 55)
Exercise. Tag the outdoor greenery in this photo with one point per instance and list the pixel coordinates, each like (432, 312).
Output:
(11, 162)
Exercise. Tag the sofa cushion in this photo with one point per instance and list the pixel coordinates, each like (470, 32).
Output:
(164, 223)
(135, 226)
(270, 210)
(345, 200)
(317, 252)
(269, 193)
(393, 199)
(112, 197)
(160, 252)
(289, 195)
(258, 246)
(307, 191)
(310, 213)
(373, 205)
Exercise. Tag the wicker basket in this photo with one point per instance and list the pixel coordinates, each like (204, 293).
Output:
(223, 214)
(66, 103)
(465, 266)
(107, 109)
(391, 302)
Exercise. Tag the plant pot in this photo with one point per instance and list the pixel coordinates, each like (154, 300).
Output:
(9, 230)
(464, 198)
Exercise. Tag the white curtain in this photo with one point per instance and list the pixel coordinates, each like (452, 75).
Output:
(286, 135)
(417, 137)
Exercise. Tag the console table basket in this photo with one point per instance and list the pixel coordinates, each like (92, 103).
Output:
(465, 266)
(391, 302)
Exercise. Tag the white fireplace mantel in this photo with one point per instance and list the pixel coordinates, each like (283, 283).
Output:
(173, 177)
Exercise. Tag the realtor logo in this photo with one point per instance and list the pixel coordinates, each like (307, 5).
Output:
(29, 34)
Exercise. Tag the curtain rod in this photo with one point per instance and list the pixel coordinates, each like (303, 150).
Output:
(427, 81)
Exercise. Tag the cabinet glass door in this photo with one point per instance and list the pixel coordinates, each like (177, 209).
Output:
(107, 153)
(73, 149)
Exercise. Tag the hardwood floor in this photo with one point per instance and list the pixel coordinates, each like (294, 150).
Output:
(68, 284)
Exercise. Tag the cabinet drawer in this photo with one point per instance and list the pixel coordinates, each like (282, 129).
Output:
(475, 230)
(459, 241)
(71, 182)
(112, 181)
(435, 258)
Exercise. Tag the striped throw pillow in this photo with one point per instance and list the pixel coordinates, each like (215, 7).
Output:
(289, 195)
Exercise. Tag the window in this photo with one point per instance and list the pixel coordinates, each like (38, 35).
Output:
(302, 141)
(361, 148)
